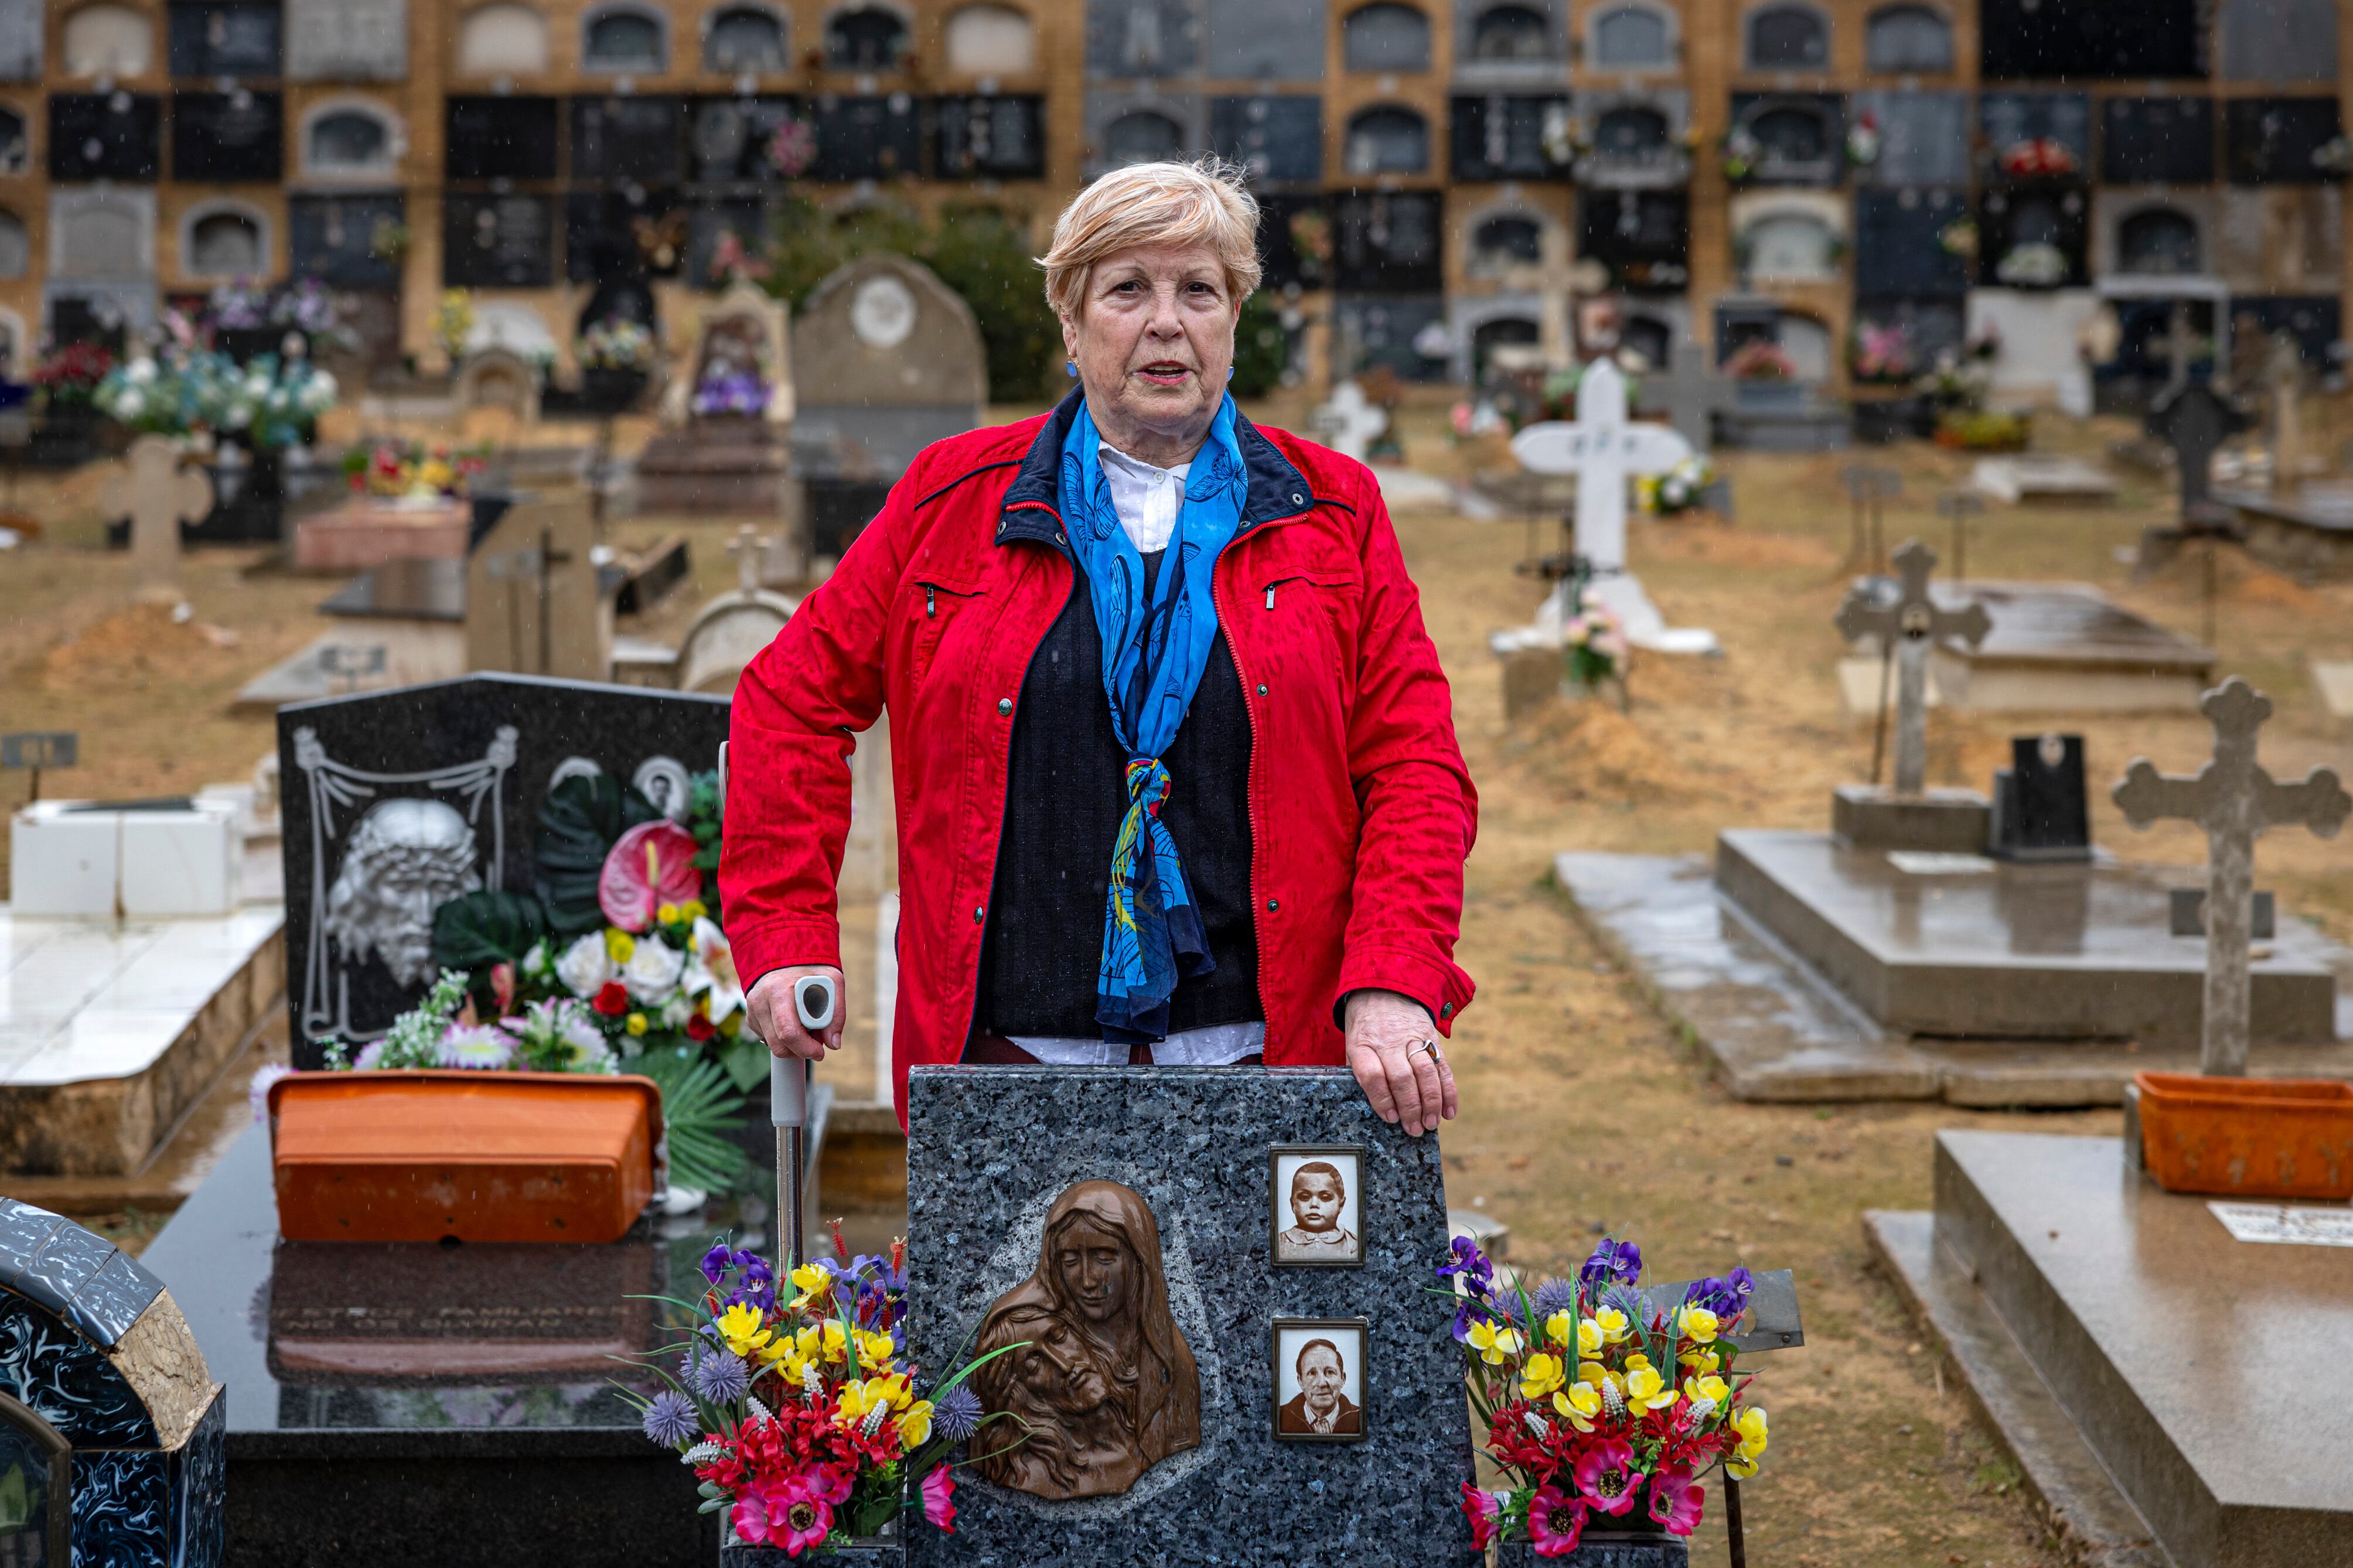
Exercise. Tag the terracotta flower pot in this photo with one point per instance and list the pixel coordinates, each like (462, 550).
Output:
(2247, 1137)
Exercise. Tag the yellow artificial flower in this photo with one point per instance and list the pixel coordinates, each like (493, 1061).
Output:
(1646, 1388)
(637, 1022)
(691, 911)
(823, 1340)
(860, 1398)
(619, 944)
(1636, 1362)
(914, 1425)
(1594, 1373)
(666, 913)
(1560, 1328)
(1579, 1404)
(1540, 1376)
(1701, 1360)
(732, 1025)
(874, 1350)
(1588, 1337)
(1493, 1342)
(791, 1365)
(1612, 1323)
(1740, 1470)
(813, 1282)
(739, 1326)
(1750, 1425)
(1696, 1324)
(1711, 1392)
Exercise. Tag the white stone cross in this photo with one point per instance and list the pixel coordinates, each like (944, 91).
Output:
(747, 549)
(1603, 450)
(157, 494)
(1349, 421)
(2233, 799)
(1912, 623)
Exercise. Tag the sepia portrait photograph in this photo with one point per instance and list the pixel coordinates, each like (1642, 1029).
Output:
(1316, 1215)
(1319, 1379)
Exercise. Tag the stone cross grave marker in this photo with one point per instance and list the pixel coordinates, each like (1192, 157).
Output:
(2284, 374)
(2193, 420)
(1349, 421)
(157, 495)
(1691, 394)
(2233, 799)
(2179, 346)
(1960, 506)
(1910, 625)
(747, 548)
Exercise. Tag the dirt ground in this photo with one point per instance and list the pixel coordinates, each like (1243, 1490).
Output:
(1581, 1110)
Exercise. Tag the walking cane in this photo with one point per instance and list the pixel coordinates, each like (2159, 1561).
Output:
(815, 1002)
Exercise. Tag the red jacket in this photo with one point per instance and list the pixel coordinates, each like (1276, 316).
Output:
(1361, 809)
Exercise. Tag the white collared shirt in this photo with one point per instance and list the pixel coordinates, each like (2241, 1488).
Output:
(1146, 499)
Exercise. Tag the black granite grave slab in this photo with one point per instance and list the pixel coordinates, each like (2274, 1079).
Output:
(486, 748)
(234, 39)
(2157, 141)
(500, 139)
(105, 136)
(238, 136)
(498, 241)
(344, 240)
(2090, 39)
(417, 1405)
(2272, 140)
(1500, 137)
(1390, 243)
(874, 137)
(989, 1150)
(1276, 137)
(1899, 242)
(999, 136)
(635, 139)
(2041, 811)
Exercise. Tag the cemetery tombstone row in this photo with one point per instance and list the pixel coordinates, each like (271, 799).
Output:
(724, 450)
(396, 802)
(536, 602)
(112, 1433)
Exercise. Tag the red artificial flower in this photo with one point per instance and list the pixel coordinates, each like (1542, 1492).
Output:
(1676, 1500)
(612, 999)
(699, 1026)
(651, 865)
(1607, 1477)
(1556, 1521)
(1482, 1508)
(939, 1490)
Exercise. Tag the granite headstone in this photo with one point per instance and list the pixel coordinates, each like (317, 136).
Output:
(110, 1425)
(991, 1149)
(2040, 809)
(450, 776)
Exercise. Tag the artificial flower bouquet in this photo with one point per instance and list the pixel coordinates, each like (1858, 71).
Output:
(1599, 1407)
(1678, 490)
(730, 389)
(413, 472)
(617, 343)
(804, 1421)
(1761, 359)
(2038, 158)
(1595, 645)
(71, 375)
(266, 404)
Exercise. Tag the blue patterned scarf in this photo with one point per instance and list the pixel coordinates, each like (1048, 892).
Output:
(1156, 643)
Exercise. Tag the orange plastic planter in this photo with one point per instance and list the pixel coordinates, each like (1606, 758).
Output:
(482, 1156)
(2247, 1137)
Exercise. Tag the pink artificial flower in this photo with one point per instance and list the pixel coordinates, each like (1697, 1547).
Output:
(939, 1489)
(1607, 1477)
(1556, 1521)
(750, 1519)
(830, 1483)
(798, 1511)
(651, 865)
(502, 987)
(1484, 1508)
(257, 1092)
(1676, 1500)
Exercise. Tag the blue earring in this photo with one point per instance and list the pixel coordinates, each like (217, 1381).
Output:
(1229, 372)
(1070, 369)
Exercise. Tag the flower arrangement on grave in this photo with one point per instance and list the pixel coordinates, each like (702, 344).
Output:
(2038, 158)
(805, 1423)
(1603, 1410)
(730, 389)
(1594, 646)
(1984, 430)
(1882, 351)
(413, 472)
(1955, 382)
(304, 305)
(1676, 491)
(266, 404)
(618, 343)
(70, 376)
(453, 321)
(1761, 359)
(1960, 237)
(1863, 140)
(2036, 264)
(1567, 137)
(1310, 241)
(1742, 153)
(792, 147)
(2334, 156)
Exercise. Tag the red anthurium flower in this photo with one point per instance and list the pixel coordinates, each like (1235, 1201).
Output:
(1607, 1478)
(651, 865)
(1482, 1509)
(612, 999)
(1676, 1500)
(1556, 1521)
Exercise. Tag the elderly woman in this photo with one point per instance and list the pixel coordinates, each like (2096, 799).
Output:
(1174, 764)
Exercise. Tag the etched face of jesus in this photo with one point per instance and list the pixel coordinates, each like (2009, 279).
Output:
(1094, 1266)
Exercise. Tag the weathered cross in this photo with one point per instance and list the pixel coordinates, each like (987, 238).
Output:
(157, 494)
(1960, 505)
(2233, 799)
(1910, 624)
(747, 550)
(1349, 420)
(1602, 450)
(1691, 394)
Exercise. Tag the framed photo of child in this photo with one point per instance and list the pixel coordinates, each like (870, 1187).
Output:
(1317, 1190)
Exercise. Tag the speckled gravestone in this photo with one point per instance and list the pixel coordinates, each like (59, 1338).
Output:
(989, 1150)
(112, 1430)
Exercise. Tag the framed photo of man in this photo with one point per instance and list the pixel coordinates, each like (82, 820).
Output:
(1319, 1379)
(1316, 1190)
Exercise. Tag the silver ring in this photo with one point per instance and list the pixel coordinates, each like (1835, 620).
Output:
(1429, 1045)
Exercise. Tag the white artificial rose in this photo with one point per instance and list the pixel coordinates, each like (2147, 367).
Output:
(140, 371)
(652, 971)
(585, 966)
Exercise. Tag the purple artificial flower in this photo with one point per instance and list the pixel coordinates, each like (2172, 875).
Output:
(956, 1414)
(1612, 1262)
(1727, 1297)
(721, 1377)
(1553, 1296)
(715, 1262)
(758, 1285)
(671, 1419)
(1468, 1313)
(1470, 1264)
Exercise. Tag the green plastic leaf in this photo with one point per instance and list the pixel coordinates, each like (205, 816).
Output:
(475, 931)
(697, 1109)
(579, 822)
(746, 1061)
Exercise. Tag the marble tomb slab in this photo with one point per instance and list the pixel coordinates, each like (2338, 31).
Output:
(989, 1150)
(1771, 1028)
(2177, 1352)
(2066, 648)
(2307, 531)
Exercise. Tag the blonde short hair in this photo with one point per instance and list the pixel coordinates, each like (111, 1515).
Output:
(1155, 203)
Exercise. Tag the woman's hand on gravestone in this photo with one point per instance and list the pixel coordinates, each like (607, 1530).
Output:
(778, 1025)
(1393, 1050)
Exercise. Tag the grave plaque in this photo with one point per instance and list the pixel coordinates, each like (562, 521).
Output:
(1643, 237)
(1173, 1164)
(105, 136)
(2157, 141)
(1260, 39)
(1273, 138)
(1144, 39)
(2279, 40)
(2091, 39)
(347, 40)
(1498, 137)
(622, 237)
(2272, 140)
(726, 455)
(228, 136)
(1001, 137)
(1900, 242)
(2033, 237)
(1924, 138)
(745, 217)
(640, 140)
(20, 39)
(728, 138)
(1800, 137)
(877, 138)
(396, 802)
(1388, 242)
(232, 40)
(500, 139)
(2006, 119)
(498, 242)
(2040, 809)
(111, 1431)
(345, 241)
(1294, 240)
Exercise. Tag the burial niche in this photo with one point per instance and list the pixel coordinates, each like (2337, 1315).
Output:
(1386, 37)
(348, 142)
(503, 39)
(2162, 241)
(226, 244)
(1142, 136)
(866, 39)
(16, 147)
(108, 41)
(1630, 131)
(1505, 242)
(991, 40)
(1104, 1387)
(1511, 32)
(1630, 37)
(1388, 141)
(1502, 333)
(1790, 248)
(1907, 38)
(15, 245)
(1788, 37)
(744, 39)
(624, 40)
